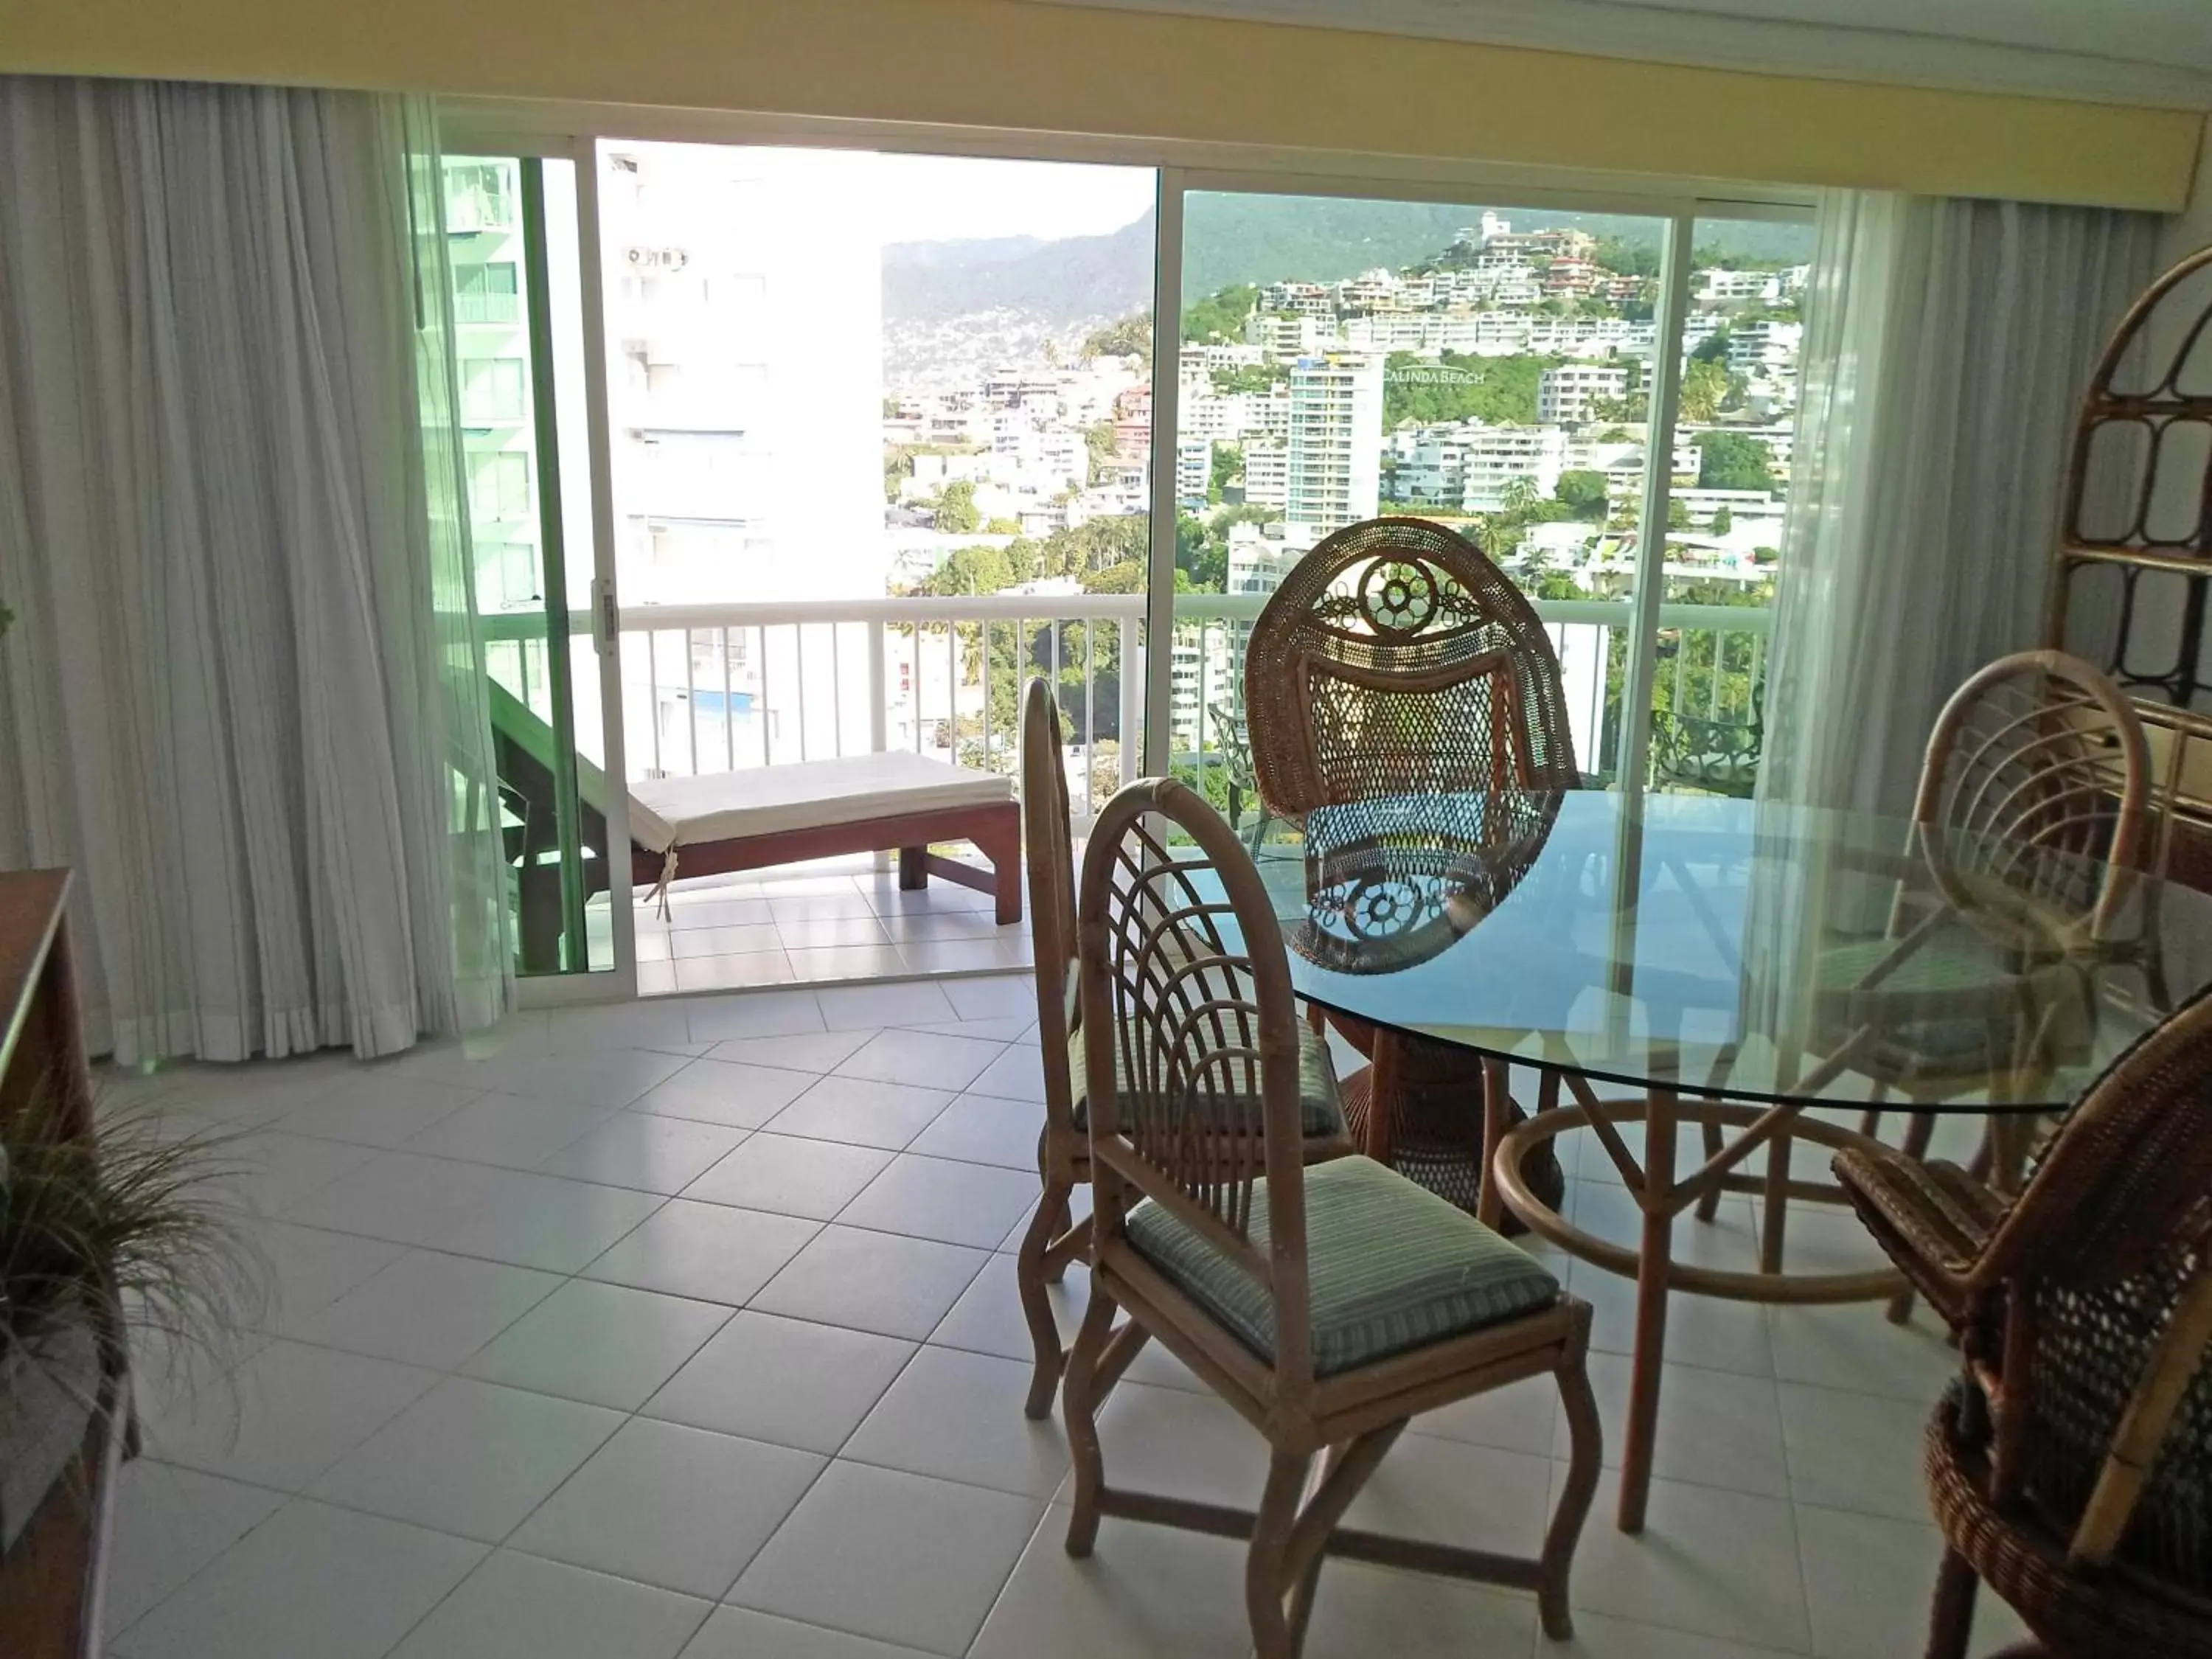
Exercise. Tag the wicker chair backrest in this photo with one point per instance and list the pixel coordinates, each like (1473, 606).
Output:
(2129, 1174)
(1191, 1041)
(1396, 660)
(2035, 785)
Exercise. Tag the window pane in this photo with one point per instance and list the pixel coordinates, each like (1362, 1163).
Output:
(848, 376)
(1482, 368)
(1735, 445)
(554, 827)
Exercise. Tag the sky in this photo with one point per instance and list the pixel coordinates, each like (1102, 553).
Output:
(943, 197)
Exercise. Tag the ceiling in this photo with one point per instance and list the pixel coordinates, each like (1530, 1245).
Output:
(2139, 51)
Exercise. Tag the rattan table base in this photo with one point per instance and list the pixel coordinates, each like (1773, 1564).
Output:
(1663, 1197)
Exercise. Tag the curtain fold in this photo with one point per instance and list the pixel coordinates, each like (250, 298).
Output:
(1947, 343)
(234, 691)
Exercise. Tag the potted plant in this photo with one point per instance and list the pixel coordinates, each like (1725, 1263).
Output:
(110, 1241)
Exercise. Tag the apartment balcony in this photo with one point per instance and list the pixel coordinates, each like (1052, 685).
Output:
(718, 688)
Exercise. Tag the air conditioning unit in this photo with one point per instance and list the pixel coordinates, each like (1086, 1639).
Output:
(656, 258)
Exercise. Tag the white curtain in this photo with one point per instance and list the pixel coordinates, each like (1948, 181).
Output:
(1947, 342)
(236, 691)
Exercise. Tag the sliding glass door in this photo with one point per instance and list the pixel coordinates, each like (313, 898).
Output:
(1736, 436)
(1600, 399)
(516, 229)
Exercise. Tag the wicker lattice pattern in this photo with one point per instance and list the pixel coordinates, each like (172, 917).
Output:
(2084, 1313)
(2122, 1612)
(1397, 659)
(1379, 899)
(1195, 1085)
(2035, 788)
(2139, 487)
(2093, 1344)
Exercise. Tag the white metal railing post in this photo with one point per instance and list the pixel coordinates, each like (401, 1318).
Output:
(1129, 695)
(1167, 344)
(878, 716)
(691, 696)
(1666, 384)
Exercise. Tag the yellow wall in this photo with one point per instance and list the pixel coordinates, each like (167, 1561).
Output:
(1012, 64)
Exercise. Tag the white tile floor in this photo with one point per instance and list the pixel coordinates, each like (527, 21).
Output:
(814, 923)
(689, 1328)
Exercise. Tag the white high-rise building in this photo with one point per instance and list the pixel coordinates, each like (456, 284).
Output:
(1194, 472)
(1569, 395)
(1494, 456)
(1267, 472)
(1335, 472)
(483, 218)
(744, 324)
(745, 299)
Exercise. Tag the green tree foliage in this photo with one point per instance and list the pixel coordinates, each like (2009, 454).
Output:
(1228, 469)
(956, 514)
(1582, 494)
(1098, 440)
(1105, 556)
(1220, 315)
(1713, 349)
(1259, 377)
(1704, 390)
(1131, 337)
(1461, 386)
(1502, 532)
(1729, 460)
(1002, 527)
(1724, 520)
(1624, 257)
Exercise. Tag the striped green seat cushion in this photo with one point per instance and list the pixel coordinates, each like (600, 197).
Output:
(1945, 962)
(1946, 965)
(1320, 1112)
(1390, 1266)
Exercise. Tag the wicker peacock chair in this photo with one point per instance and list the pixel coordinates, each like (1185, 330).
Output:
(1396, 659)
(2071, 1470)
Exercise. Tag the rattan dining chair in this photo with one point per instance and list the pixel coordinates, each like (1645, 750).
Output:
(1396, 659)
(2071, 1470)
(2030, 814)
(1327, 1303)
(1055, 1238)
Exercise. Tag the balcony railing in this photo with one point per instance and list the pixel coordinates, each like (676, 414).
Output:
(710, 688)
(486, 307)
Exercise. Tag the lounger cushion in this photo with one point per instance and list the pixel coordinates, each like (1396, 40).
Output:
(1389, 1267)
(769, 800)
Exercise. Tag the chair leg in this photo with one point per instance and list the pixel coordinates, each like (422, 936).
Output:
(1586, 1451)
(1951, 1624)
(1078, 1405)
(1919, 1129)
(1268, 1573)
(1037, 1307)
(1708, 1207)
(1870, 1120)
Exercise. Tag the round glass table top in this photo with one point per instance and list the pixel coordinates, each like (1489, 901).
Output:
(1728, 947)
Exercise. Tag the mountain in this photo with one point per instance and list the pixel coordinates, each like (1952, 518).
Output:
(1071, 279)
(1230, 237)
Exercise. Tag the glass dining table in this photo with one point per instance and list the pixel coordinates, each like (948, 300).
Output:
(1761, 973)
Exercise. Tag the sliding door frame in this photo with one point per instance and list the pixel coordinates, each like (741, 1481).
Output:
(603, 614)
(572, 131)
